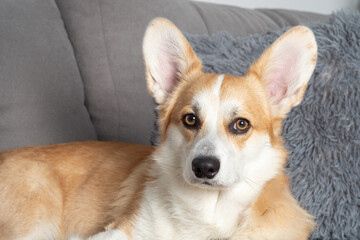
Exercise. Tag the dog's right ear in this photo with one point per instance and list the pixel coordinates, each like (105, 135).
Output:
(168, 57)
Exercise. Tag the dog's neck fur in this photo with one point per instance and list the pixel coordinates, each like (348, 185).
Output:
(171, 209)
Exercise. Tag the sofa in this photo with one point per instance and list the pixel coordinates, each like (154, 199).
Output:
(73, 70)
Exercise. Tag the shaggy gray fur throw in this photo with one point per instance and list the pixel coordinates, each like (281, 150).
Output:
(322, 134)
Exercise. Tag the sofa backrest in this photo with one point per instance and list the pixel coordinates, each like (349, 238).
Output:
(73, 70)
(41, 91)
(107, 39)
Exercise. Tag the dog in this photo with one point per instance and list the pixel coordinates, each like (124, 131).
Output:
(217, 173)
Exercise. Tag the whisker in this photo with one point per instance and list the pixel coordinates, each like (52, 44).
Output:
(247, 182)
(250, 182)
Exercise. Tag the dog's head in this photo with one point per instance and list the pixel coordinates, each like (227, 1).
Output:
(218, 130)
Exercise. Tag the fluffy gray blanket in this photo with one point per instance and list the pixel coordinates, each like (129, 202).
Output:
(322, 134)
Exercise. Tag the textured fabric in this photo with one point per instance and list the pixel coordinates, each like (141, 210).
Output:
(242, 22)
(322, 134)
(107, 40)
(41, 93)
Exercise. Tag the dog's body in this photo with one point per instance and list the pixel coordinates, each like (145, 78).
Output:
(216, 174)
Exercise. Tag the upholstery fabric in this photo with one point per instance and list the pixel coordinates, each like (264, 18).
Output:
(41, 92)
(107, 40)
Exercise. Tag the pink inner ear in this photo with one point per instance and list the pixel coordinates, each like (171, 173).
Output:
(277, 86)
(168, 69)
(282, 75)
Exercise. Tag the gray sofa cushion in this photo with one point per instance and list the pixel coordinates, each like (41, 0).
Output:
(107, 39)
(41, 93)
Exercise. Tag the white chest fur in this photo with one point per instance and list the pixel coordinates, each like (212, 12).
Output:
(175, 211)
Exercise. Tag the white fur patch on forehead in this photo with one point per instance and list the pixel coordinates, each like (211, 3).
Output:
(206, 103)
(211, 107)
(218, 84)
(209, 100)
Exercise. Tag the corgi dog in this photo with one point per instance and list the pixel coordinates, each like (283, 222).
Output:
(217, 173)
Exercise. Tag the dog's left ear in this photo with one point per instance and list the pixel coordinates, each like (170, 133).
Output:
(285, 69)
(168, 57)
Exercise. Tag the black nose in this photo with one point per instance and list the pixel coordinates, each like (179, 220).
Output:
(205, 167)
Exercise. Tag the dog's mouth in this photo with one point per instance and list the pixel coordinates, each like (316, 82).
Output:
(211, 186)
(203, 182)
(206, 184)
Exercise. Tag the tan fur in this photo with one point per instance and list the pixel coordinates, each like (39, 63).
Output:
(276, 214)
(82, 188)
(78, 187)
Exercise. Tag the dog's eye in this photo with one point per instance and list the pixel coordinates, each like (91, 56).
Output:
(190, 121)
(240, 126)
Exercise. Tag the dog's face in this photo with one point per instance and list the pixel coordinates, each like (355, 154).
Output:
(219, 130)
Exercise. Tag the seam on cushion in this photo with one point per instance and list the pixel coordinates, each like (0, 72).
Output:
(286, 20)
(279, 14)
(77, 66)
(201, 16)
(268, 18)
(109, 67)
(300, 17)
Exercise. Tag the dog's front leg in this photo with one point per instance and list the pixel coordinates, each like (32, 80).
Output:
(113, 234)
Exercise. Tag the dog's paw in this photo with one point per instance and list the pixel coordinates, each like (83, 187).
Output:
(114, 234)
